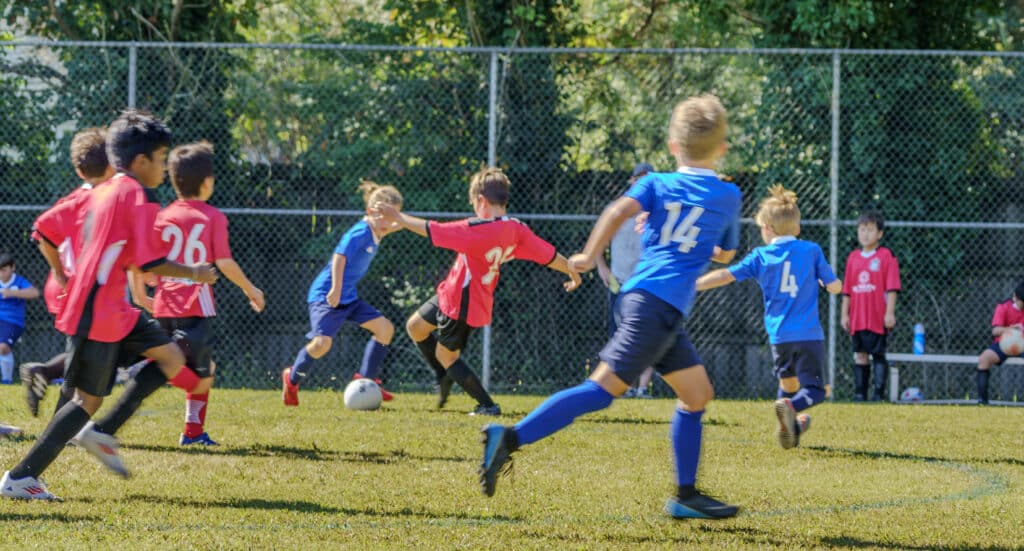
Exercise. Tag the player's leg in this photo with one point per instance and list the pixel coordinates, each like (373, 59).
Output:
(196, 403)
(194, 336)
(643, 384)
(861, 368)
(798, 366)
(988, 358)
(6, 362)
(376, 349)
(420, 327)
(451, 339)
(36, 377)
(325, 322)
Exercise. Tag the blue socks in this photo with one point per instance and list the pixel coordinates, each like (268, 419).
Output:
(687, 431)
(808, 396)
(373, 355)
(560, 410)
(302, 361)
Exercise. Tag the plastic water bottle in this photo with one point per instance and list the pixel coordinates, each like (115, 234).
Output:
(919, 338)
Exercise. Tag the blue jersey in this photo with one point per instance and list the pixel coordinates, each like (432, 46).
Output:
(358, 246)
(691, 212)
(788, 271)
(12, 310)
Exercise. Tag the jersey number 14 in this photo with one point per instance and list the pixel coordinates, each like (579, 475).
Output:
(686, 233)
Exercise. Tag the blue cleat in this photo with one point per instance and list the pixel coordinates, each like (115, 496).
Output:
(699, 506)
(203, 440)
(496, 456)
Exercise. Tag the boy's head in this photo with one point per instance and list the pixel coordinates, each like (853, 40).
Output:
(89, 153)
(870, 228)
(779, 213)
(374, 193)
(137, 142)
(191, 169)
(491, 184)
(1018, 294)
(6, 266)
(697, 130)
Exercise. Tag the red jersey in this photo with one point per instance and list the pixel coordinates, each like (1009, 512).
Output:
(58, 227)
(193, 233)
(116, 233)
(868, 278)
(1007, 314)
(483, 246)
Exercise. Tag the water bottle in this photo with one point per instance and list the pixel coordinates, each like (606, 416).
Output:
(919, 338)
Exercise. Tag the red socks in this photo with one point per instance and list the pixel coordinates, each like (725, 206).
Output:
(195, 413)
(186, 379)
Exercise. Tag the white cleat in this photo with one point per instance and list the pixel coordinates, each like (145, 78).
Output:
(103, 446)
(25, 488)
(7, 431)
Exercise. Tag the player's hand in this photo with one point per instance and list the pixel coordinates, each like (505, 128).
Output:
(145, 302)
(641, 222)
(844, 321)
(574, 281)
(386, 213)
(581, 263)
(256, 301)
(334, 297)
(890, 321)
(604, 273)
(205, 273)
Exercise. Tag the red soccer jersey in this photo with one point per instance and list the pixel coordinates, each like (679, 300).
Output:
(1007, 315)
(58, 226)
(868, 279)
(194, 233)
(483, 246)
(116, 233)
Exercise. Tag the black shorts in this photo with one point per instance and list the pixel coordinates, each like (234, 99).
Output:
(451, 333)
(91, 365)
(195, 337)
(870, 343)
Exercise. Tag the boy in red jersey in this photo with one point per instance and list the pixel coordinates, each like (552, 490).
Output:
(89, 157)
(464, 299)
(1009, 316)
(116, 228)
(870, 286)
(196, 233)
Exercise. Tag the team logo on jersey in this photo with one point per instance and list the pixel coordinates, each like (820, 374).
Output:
(875, 265)
(863, 283)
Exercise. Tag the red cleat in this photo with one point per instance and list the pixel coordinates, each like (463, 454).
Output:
(289, 392)
(384, 395)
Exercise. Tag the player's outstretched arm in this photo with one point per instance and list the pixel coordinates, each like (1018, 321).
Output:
(607, 224)
(203, 273)
(234, 273)
(716, 278)
(390, 215)
(560, 264)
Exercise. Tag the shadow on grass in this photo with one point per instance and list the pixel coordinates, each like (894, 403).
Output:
(311, 507)
(849, 542)
(875, 454)
(312, 453)
(47, 517)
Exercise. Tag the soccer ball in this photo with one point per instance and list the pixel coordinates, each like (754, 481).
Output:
(363, 395)
(912, 394)
(1012, 343)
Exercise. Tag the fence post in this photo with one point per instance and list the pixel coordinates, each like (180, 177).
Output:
(833, 215)
(492, 143)
(133, 59)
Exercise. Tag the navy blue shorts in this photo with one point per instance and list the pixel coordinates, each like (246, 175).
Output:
(801, 359)
(650, 333)
(999, 352)
(10, 333)
(326, 321)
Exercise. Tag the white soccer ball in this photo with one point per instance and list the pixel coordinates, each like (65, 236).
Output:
(363, 395)
(912, 394)
(1012, 343)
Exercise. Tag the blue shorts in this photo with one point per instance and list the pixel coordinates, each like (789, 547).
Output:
(650, 333)
(326, 321)
(800, 359)
(999, 352)
(10, 333)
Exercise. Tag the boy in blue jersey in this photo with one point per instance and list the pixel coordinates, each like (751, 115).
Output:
(789, 271)
(14, 291)
(333, 299)
(694, 219)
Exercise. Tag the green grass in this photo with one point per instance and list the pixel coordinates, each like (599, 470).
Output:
(866, 476)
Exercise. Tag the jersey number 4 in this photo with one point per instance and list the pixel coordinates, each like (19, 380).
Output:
(194, 252)
(788, 281)
(686, 233)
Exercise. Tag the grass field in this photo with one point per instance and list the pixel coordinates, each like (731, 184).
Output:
(866, 476)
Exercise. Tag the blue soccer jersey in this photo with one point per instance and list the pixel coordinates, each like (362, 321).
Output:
(359, 246)
(12, 310)
(788, 270)
(691, 212)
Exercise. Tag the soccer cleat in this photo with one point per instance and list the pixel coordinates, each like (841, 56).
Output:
(103, 446)
(496, 456)
(289, 392)
(486, 410)
(699, 506)
(789, 431)
(25, 488)
(202, 440)
(384, 395)
(7, 431)
(35, 385)
(444, 389)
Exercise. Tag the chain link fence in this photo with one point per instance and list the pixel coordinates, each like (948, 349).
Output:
(932, 139)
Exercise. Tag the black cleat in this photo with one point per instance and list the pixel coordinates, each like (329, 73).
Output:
(493, 410)
(444, 388)
(35, 384)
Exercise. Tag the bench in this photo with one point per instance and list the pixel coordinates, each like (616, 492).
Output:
(894, 373)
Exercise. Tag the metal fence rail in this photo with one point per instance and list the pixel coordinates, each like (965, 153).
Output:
(930, 138)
